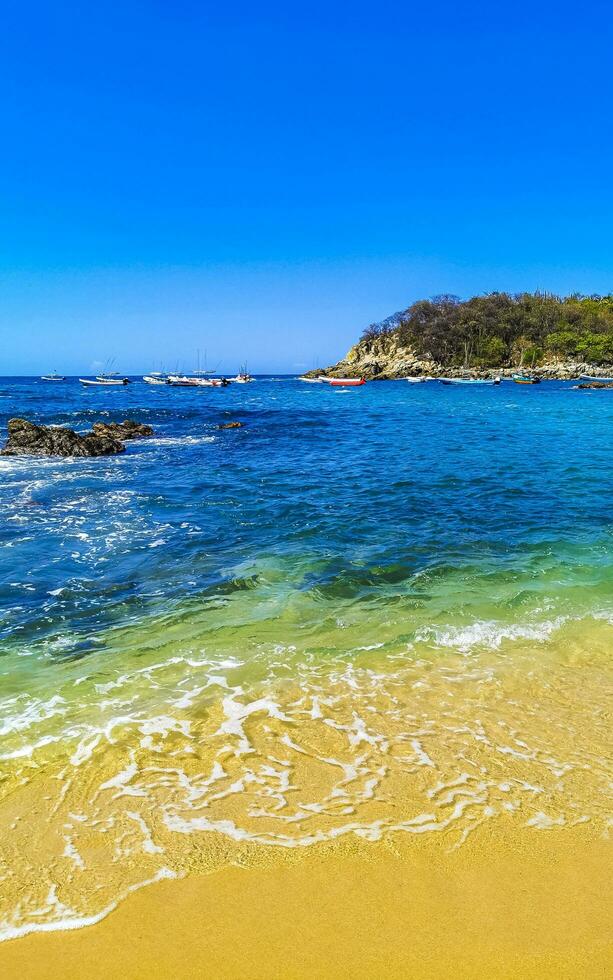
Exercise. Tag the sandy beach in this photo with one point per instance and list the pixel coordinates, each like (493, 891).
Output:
(505, 905)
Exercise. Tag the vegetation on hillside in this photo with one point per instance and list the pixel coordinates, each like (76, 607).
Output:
(500, 329)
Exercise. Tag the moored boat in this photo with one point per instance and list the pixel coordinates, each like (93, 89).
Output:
(155, 379)
(53, 377)
(343, 382)
(525, 379)
(243, 377)
(103, 382)
(470, 381)
(189, 381)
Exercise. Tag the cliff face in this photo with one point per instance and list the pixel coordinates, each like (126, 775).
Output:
(383, 358)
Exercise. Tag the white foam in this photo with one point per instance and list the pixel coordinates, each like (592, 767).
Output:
(488, 633)
(71, 919)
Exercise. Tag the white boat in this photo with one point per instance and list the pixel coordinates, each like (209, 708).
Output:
(102, 382)
(593, 377)
(470, 381)
(312, 381)
(189, 381)
(155, 379)
(416, 381)
(53, 377)
(108, 376)
(243, 377)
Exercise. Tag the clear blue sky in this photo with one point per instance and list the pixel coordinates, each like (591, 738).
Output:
(262, 180)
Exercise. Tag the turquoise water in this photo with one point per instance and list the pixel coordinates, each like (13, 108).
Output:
(460, 504)
(348, 574)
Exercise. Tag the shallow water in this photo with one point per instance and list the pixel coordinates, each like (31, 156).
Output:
(364, 612)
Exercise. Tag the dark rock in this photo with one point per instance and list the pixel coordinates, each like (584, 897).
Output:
(596, 384)
(27, 439)
(231, 425)
(129, 429)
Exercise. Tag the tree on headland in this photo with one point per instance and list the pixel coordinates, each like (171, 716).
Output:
(502, 329)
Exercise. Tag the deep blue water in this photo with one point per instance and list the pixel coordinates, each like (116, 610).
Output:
(470, 502)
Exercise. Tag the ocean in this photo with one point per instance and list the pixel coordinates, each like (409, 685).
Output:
(385, 610)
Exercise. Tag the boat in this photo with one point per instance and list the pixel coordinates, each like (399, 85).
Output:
(417, 381)
(343, 382)
(243, 377)
(191, 381)
(525, 379)
(104, 382)
(108, 376)
(312, 381)
(155, 378)
(594, 377)
(53, 377)
(470, 381)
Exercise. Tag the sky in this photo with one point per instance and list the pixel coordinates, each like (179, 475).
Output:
(260, 181)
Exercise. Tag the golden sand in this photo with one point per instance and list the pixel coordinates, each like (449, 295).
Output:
(506, 906)
(404, 817)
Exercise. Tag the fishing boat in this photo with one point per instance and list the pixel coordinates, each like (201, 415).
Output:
(594, 377)
(155, 378)
(191, 381)
(525, 379)
(53, 377)
(343, 382)
(470, 381)
(104, 382)
(242, 378)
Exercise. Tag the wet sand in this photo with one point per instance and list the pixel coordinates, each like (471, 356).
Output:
(515, 903)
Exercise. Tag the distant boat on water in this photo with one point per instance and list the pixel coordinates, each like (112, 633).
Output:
(53, 377)
(525, 379)
(243, 377)
(470, 381)
(343, 382)
(191, 381)
(156, 378)
(104, 382)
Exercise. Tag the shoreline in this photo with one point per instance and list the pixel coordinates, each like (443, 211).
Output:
(562, 371)
(530, 903)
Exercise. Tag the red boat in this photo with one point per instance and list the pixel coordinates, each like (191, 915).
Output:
(345, 382)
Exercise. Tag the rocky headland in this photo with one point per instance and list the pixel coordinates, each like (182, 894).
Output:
(385, 359)
(485, 337)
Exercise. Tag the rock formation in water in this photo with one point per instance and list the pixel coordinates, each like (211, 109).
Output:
(128, 429)
(596, 384)
(27, 439)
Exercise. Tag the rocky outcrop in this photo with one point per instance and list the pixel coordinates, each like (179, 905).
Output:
(128, 429)
(27, 439)
(596, 384)
(383, 358)
(379, 359)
